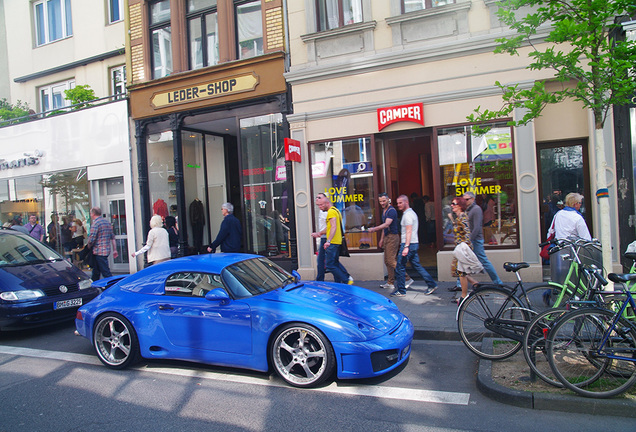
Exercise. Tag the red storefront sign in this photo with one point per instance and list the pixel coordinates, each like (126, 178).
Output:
(292, 150)
(390, 115)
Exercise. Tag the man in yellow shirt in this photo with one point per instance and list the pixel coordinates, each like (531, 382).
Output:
(334, 240)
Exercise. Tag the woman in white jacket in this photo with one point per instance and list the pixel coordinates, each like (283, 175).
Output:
(157, 244)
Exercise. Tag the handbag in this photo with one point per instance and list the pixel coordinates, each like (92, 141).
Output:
(344, 249)
(545, 250)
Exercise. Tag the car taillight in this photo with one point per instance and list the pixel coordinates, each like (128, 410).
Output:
(78, 316)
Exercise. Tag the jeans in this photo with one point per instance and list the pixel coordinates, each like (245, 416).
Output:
(400, 269)
(478, 248)
(101, 266)
(320, 274)
(332, 256)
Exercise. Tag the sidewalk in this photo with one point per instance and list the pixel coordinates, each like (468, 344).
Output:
(433, 317)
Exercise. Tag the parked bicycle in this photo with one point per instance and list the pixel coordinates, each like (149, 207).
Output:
(500, 311)
(592, 351)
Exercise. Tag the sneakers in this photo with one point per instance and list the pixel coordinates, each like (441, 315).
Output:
(408, 283)
(397, 294)
(430, 291)
(350, 281)
(388, 286)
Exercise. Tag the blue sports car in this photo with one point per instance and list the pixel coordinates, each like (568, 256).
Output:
(244, 311)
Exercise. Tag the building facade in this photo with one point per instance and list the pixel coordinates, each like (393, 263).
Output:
(381, 91)
(63, 160)
(208, 104)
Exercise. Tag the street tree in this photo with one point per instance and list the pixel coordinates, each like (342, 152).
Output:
(588, 62)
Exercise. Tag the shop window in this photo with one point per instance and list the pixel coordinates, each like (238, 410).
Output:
(161, 36)
(338, 13)
(343, 170)
(249, 27)
(118, 81)
(416, 5)
(483, 165)
(203, 33)
(265, 186)
(195, 191)
(115, 11)
(161, 179)
(52, 20)
(52, 97)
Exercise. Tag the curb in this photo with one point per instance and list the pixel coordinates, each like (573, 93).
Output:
(548, 401)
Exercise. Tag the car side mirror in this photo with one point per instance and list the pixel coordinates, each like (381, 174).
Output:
(296, 276)
(217, 294)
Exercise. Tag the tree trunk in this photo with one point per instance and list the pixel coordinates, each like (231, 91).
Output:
(604, 208)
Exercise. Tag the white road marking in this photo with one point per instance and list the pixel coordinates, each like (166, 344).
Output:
(381, 392)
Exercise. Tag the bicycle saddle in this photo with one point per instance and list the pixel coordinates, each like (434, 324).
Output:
(622, 277)
(630, 255)
(515, 267)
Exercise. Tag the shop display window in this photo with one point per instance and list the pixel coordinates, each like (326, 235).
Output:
(161, 179)
(343, 171)
(265, 191)
(56, 199)
(484, 165)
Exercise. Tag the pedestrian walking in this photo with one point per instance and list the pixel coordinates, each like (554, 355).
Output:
(333, 241)
(389, 241)
(409, 250)
(475, 222)
(461, 228)
(158, 243)
(322, 234)
(35, 229)
(230, 233)
(101, 241)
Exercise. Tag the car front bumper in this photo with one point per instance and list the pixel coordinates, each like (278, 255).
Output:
(376, 357)
(42, 311)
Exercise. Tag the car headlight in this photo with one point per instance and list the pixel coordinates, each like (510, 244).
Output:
(85, 284)
(21, 295)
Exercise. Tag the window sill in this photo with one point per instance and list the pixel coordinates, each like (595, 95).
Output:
(341, 31)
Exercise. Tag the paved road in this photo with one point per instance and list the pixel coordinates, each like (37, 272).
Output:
(51, 380)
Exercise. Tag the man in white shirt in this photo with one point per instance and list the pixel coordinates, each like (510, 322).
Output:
(408, 250)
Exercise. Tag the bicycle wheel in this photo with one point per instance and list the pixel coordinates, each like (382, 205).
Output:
(482, 315)
(534, 346)
(579, 348)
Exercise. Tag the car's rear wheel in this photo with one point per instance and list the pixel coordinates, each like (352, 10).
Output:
(115, 341)
(302, 355)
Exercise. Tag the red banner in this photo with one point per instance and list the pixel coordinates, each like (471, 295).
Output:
(292, 150)
(390, 115)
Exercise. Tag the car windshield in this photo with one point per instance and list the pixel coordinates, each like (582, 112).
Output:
(255, 276)
(19, 249)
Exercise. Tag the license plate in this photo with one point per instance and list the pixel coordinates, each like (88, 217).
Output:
(68, 303)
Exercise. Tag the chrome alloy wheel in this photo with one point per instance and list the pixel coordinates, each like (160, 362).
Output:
(302, 355)
(115, 341)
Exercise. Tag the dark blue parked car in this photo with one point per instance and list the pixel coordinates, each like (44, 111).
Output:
(38, 286)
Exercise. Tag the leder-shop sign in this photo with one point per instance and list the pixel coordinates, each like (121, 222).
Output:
(213, 89)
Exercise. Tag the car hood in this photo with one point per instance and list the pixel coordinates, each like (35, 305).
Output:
(36, 276)
(349, 302)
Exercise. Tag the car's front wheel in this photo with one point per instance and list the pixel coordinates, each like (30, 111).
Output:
(115, 341)
(302, 355)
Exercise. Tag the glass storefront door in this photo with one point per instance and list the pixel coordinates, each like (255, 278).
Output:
(563, 168)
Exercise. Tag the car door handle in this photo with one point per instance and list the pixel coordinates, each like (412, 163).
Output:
(165, 307)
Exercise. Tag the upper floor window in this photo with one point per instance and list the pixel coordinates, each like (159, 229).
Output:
(52, 96)
(203, 33)
(161, 36)
(415, 5)
(118, 81)
(52, 20)
(338, 13)
(249, 28)
(115, 10)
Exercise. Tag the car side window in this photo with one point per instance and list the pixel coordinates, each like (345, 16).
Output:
(192, 284)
